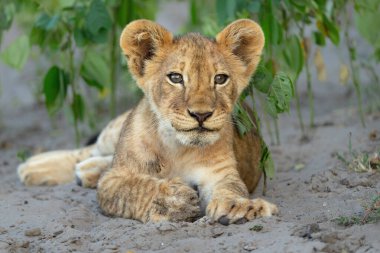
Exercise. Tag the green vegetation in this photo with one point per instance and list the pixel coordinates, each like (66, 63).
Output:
(347, 221)
(22, 155)
(359, 161)
(370, 215)
(80, 39)
(257, 228)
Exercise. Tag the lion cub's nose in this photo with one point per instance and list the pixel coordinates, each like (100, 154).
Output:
(200, 117)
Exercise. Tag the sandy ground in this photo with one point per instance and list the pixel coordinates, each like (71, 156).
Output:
(66, 218)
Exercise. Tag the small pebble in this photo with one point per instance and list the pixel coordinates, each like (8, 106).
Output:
(25, 244)
(3, 231)
(56, 233)
(33, 232)
(166, 227)
(249, 246)
(216, 232)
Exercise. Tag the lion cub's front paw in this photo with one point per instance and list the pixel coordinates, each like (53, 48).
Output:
(239, 210)
(175, 202)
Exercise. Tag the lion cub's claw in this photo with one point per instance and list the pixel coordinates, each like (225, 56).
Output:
(240, 210)
(176, 202)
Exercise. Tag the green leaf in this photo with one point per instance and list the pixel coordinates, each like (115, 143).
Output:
(66, 3)
(321, 4)
(270, 107)
(46, 33)
(123, 13)
(262, 79)
(16, 54)
(80, 37)
(225, 10)
(331, 29)
(7, 13)
(281, 93)
(271, 27)
(98, 21)
(95, 70)
(294, 56)
(49, 6)
(37, 36)
(377, 54)
(367, 21)
(55, 85)
(299, 5)
(266, 160)
(77, 107)
(46, 22)
(319, 38)
(242, 119)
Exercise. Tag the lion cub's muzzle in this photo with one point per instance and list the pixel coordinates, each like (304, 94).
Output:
(200, 116)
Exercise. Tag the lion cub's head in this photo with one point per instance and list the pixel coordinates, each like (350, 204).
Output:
(192, 82)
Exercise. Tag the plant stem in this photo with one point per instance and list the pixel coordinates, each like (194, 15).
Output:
(258, 126)
(308, 79)
(267, 123)
(113, 63)
(277, 131)
(73, 87)
(309, 92)
(353, 68)
(298, 107)
(358, 92)
(372, 71)
(265, 183)
(269, 128)
(256, 120)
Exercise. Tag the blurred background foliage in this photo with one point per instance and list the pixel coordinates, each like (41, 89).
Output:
(79, 40)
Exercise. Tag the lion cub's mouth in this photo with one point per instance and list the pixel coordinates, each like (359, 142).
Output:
(197, 136)
(199, 129)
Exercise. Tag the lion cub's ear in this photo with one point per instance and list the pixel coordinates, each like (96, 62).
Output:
(139, 41)
(245, 39)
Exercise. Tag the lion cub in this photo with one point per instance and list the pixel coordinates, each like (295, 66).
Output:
(178, 154)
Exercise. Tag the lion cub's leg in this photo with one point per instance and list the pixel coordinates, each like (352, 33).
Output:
(228, 199)
(57, 167)
(143, 197)
(88, 172)
(51, 168)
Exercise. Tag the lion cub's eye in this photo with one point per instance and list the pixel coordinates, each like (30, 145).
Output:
(220, 79)
(176, 78)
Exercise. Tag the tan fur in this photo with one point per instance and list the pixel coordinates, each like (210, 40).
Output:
(60, 167)
(162, 153)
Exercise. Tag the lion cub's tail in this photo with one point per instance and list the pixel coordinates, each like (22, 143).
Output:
(52, 168)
